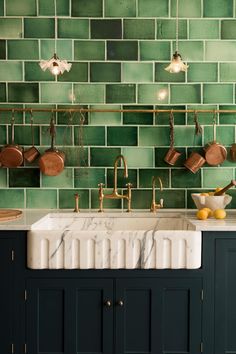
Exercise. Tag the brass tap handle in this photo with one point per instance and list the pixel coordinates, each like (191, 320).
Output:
(101, 196)
(76, 210)
(161, 203)
(129, 185)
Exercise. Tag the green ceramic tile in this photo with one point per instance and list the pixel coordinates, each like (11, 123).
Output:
(203, 118)
(228, 72)
(108, 203)
(146, 175)
(76, 156)
(89, 177)
(220, 50)
(84, 8)
(218, 8)
(23, 135)
(160, 153)
(11, 71)
(133, 118)
(3, 178)
(21, 8)
(3, 135)
(2, 92)
(56, 93)
(215, 177)
(122, 50)
(91, 136)
(186, 8)
(89, 93)
(182, 178)
(24, 177)
(6, 116)
(63, 135)
(121, 180)
(218, 93)
(46, 8)
(63, 180)
(23, 92)
(152, 8)
(2, 8)
(141, 199)
(89, 50)
(161, 75)
(203, 29)
(33, 72)
(11, 28)
(64, 49)
(3, 49)
(224, 134)
(172, 199)
(106, 29)
(41, 198)
(11, 198)
(185, 136)
(203, 72)
(138, 157)
(39, 117)
(152, 93)
(73, 28)
(228, 29)
(154, 136)
(120, 9)
(77, 73)
(163, 118)
(191, 50)
(39, 28)
(23, 49)
(105, 72)
(76, 118)
(67, 200)
(100, 118)
(227, 118)
(137, 72)
(103, 156)
(120, 93)
(166, 29)
(139, 29)
(154, 50)
(181, 93)
(121, 136)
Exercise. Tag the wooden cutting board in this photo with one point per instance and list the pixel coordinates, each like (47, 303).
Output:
(9, 214)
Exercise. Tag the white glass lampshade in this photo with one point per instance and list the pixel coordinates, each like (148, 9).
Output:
(55, 65)
(176, 64)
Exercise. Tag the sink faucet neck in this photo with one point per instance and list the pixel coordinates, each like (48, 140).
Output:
(119, 158)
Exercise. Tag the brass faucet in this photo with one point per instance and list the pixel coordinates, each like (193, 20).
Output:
(115, 194)
(154, 205)
(76, 210)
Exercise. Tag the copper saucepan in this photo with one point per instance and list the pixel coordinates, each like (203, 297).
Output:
(51, 163)
(12, 154)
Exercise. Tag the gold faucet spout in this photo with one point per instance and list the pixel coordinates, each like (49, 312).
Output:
(154, 205)
(119, 158)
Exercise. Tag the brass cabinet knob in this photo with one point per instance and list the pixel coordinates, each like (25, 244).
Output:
(107, 303)
(120, 303)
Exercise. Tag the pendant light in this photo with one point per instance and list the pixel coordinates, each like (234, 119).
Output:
(54, 64)
(177, 64)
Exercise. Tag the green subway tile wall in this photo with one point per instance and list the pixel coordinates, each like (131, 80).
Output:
(119, 50)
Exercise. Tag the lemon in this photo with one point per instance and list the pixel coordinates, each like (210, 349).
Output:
(202, 214)
(210, 212)
(211, 193)
(219, 214)
(204, 194)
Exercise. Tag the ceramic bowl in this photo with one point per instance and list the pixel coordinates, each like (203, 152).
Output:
(211, 201)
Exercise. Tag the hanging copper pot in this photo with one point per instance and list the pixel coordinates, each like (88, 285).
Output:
(172, 155)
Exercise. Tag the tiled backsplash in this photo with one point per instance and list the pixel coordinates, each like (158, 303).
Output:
(119, 49)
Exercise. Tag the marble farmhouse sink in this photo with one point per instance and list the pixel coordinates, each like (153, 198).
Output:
(114, 240)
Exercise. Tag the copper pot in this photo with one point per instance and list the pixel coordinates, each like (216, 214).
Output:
(172, 155)
(194, 162)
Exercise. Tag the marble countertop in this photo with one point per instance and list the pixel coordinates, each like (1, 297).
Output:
(30, 216)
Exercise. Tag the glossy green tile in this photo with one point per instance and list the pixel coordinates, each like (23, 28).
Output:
(64, 48)
(138, 157)
(120, 9)
(6, 116)
(182, 178)
(154, 136)
(89, 177)
(89, 50)
(21, 8)
(141, 199)
(105, 72)
(24, 177)
(23, 92)
(100, 118)
(63, 135)
(225, 135)
(39, 28)
(152, 8)
(162, 118)
(108, 203)
(152, 93)
(12, 198)
(23, 135)
(84, 8)
(11, 28)
(2, 92)
(218, 93)
(77, 73)
(3, 134)
(33, 72)
(122, 50)
(203, 72)
(3, 178)
(146, 175)
(137, 72)
(89, 93)
(75, 118)
(227, 118)
(106, 29)
(215, 177)
(186, 8)
(166, 29)
(120, 93)
(39, 117)
(64, 180)
(23, 49)
(172, 199)
(46, 8)
(228, 29)
(191, 50)
(56, 93)
(41, 198)
(203, 118)
(76, 156)
(218, 8)
(204, 29)
(220, 50)
(103, 156)
(3, 49)
(67, 200)
(161, 75)
(2, 8)
(228, 72)
(121, 180)
(91, 135)
(160, 153)
(139, 29)
(185, 136)
(133, 118)
(154, 50)
(182, 93)
(73, 28)
(121, 136)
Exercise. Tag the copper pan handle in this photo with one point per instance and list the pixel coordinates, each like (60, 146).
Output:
(222, 191)
(52, 131)
(12, 127)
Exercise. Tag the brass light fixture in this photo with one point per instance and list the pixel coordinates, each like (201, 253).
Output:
(177, 64)
(54, 64)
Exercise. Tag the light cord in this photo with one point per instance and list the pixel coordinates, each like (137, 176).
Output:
(177, 26)
(55, 16)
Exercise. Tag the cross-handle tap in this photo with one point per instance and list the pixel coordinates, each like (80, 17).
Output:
(154, 205)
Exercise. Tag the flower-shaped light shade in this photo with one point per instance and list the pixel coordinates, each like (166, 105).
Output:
(55, 65)
(176, 64)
